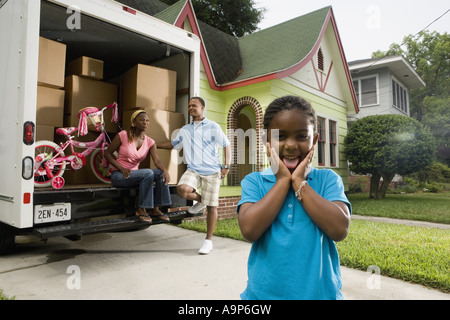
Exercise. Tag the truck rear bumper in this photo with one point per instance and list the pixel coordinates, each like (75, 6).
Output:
(117, 224)
(92, 208)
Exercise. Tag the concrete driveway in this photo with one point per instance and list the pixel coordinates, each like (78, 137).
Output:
(157, 263)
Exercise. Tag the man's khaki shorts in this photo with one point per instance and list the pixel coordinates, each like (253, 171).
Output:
(209, 184)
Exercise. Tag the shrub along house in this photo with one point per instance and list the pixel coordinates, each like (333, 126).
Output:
(241, 76)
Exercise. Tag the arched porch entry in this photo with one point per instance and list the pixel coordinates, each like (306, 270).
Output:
(244, 130)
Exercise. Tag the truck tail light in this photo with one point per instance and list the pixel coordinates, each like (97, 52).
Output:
(27, 198)
(28, 133)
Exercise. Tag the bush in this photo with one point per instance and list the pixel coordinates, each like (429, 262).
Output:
(384, 145)
(436, 172)
(433, 187)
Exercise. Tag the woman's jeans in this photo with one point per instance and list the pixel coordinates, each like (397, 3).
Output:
(152, 189)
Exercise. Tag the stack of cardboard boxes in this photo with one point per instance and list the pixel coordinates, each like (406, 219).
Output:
(50, 96)
(154, 90)
(144, 87)
(84, 88)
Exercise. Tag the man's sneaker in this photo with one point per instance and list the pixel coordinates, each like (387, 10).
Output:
(206, 247)
(197, 208)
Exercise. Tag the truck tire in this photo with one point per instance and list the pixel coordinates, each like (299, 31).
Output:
(7, 235)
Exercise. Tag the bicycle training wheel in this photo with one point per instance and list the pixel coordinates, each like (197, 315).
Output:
(100, 166)
(43, 152)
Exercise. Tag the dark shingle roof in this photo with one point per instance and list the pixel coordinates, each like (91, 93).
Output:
(223, 53)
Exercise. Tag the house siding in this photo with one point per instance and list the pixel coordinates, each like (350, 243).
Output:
(385, 103)
(219, 104)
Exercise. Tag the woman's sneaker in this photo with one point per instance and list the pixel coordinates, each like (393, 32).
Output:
(206, 247)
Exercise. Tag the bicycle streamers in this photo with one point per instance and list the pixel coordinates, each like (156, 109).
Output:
(83, 124)
(115, 114)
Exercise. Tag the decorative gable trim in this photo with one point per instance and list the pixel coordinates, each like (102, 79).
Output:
(320, 74)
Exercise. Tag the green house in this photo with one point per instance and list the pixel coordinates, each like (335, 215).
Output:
(241, 76)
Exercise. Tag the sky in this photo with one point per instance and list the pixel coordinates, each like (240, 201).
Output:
(365, 26)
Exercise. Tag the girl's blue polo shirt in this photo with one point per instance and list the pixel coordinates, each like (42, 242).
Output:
(293, 259)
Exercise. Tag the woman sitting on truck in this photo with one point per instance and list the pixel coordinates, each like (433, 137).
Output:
(133, 146)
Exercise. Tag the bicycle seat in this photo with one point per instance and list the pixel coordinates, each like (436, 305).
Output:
(66, 131)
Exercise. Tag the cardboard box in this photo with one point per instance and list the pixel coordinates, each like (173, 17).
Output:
(50, 106)
(52, 63)
(162, 123)
(86, 67)
(148, 87)
(173, 162)
(44, 132)
(82, 93)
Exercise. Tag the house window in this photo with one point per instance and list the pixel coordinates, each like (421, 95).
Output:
(322, 141)
(320, 60)
(366, 91)
(333, 143)
(399, 97)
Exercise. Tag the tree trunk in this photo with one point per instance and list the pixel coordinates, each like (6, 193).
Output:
(387, 178)
(374, 183)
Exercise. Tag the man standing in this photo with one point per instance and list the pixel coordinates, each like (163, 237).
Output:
(199, 141)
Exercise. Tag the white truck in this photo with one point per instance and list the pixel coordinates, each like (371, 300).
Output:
(103, 29)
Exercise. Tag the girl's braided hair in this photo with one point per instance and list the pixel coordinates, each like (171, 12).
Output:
(289, 103)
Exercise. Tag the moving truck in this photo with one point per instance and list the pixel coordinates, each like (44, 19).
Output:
(58, 56)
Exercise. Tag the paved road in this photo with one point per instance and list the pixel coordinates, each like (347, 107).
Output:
(160, 262)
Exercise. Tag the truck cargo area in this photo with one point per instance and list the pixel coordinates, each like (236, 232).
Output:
(136, 52)
(120, 49)
(99, 207)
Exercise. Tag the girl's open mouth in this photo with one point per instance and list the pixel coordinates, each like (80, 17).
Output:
(291, 162)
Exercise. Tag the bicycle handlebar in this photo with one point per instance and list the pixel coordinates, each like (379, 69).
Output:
(84, 114)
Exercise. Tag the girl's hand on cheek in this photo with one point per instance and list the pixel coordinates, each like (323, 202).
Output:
(278, 167)
(304, 168)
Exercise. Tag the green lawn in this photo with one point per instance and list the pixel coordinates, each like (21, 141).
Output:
(432, 207)
(416, 254)
(226, 191)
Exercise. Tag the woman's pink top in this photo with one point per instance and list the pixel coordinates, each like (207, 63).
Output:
(129, 156)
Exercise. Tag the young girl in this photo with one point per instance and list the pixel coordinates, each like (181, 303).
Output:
(133, 146)
(293, 212)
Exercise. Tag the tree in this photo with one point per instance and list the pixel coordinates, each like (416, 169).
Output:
(429, 54)
(235, 17)
(384, 145)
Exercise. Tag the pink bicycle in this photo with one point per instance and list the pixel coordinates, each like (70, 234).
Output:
(51, 162)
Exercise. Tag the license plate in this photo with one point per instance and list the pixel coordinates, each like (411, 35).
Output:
(52, 212)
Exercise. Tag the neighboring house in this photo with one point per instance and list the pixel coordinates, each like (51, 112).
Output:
(241, 76)
(382, 85)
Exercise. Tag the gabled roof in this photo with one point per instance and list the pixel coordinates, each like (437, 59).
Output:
(271, 53)
(282, 46)
(398, 65)
(224, 53)
(261, 53)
